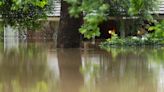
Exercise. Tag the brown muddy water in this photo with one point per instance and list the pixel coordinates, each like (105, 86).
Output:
(40, 67)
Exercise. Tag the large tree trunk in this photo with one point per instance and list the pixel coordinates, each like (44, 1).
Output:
(68, 34)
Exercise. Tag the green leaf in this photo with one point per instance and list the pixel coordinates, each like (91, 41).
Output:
(151, 28)
(82, 31)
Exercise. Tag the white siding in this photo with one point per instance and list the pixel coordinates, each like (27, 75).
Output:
(55, 8)
(161, 9)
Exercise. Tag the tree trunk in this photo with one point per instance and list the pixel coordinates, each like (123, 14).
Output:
(68, 34)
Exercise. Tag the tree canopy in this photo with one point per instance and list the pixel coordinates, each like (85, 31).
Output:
(23, 12)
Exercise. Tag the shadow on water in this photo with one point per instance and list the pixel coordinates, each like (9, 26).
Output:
(40, 67)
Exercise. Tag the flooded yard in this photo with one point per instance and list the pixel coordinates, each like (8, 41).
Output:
(53, 46)
(40, 67)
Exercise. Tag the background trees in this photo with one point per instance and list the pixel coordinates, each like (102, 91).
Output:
(24, 13)
(89, 12)
(96, 11)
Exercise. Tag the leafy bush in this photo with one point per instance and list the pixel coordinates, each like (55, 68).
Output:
(115, 41)
(158, 29)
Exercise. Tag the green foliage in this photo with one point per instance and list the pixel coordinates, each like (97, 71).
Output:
(154, 38)
(143, 8)
(96, 11)
(136, 6)
(118, 7)
(23, 13)
(158, 30)
(90, 27)
(139, 8)
(115, 41)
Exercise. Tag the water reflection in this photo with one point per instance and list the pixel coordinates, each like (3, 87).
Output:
(125, 70)
(25, 69)
(70, 77)
(40, 67)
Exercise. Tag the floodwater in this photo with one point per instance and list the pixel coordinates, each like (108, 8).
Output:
(40, 67)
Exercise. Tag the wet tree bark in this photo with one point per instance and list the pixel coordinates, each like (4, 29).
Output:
(68, 34)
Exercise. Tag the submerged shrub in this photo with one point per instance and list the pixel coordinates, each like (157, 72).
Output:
(132, 41)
